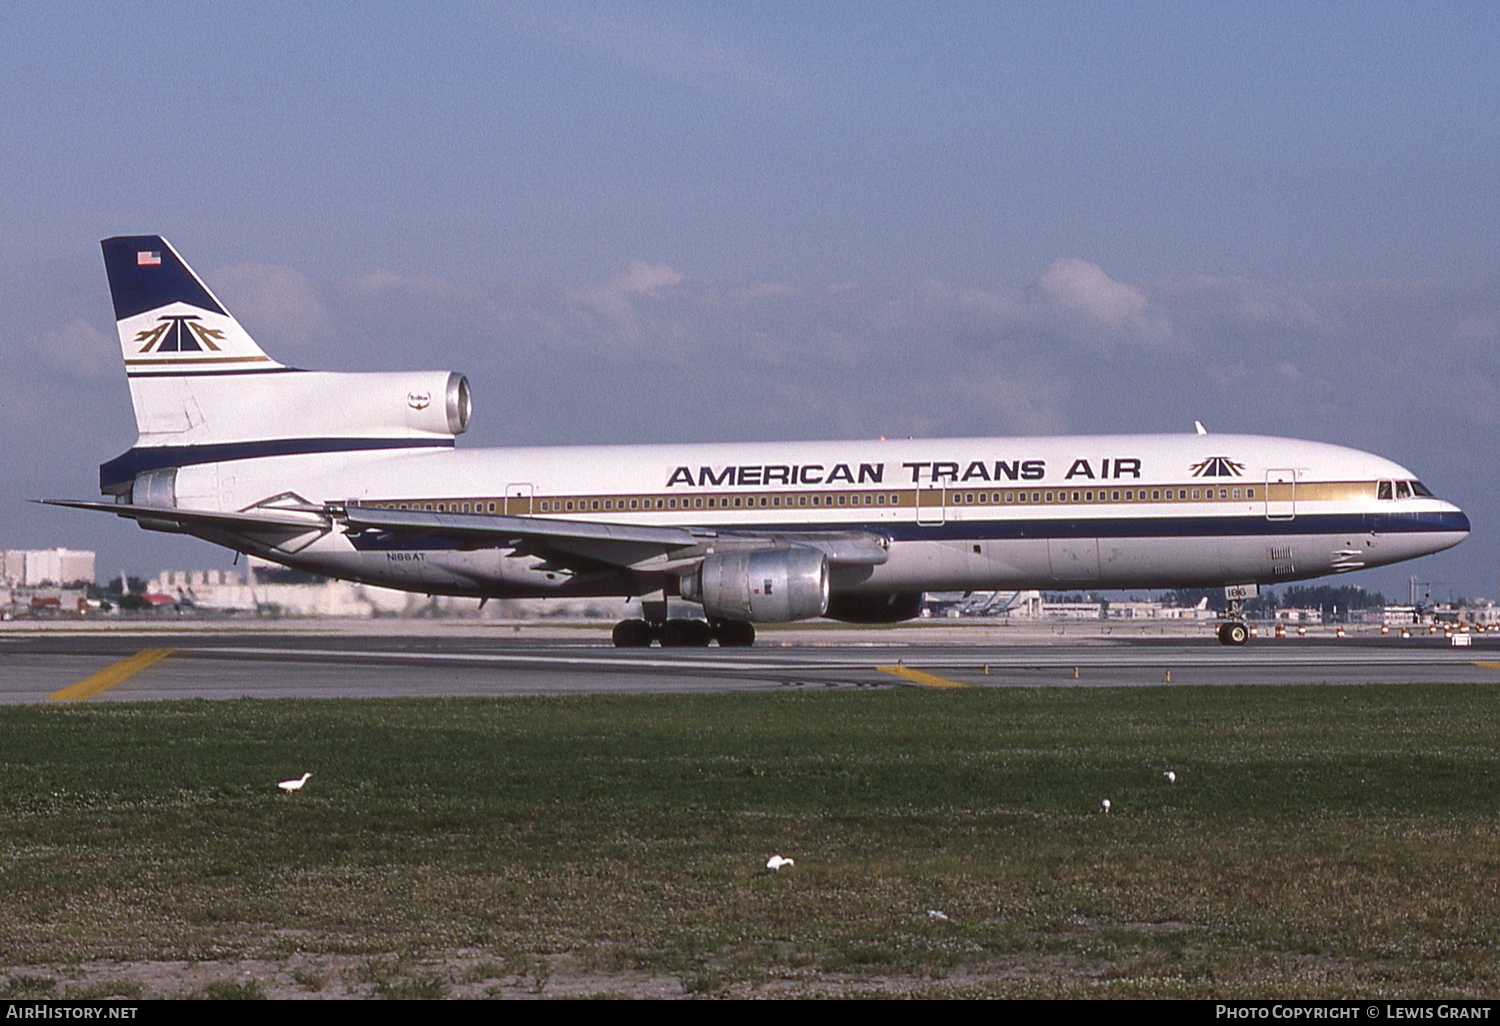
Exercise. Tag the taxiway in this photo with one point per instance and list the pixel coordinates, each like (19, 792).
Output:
(437, 660)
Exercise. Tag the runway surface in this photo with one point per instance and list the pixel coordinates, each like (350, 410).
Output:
(122, 664)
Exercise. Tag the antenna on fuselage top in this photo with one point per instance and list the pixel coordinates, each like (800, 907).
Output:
(1198, 427)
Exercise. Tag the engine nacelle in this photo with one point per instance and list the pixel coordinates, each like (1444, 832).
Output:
(765, 586)
(876, 607)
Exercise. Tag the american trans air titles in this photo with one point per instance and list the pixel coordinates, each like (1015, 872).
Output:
(358, 476)
(930, 471)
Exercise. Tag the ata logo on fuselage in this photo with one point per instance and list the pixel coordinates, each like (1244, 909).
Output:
(179, 333)
(1218, 466)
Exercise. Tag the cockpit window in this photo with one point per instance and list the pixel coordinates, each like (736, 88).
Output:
(1383, 490)
(1403, 489)
(1420, 488)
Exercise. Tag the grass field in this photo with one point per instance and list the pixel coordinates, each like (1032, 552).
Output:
(1319, 841)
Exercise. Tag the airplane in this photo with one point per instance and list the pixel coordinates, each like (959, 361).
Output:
(358, 476)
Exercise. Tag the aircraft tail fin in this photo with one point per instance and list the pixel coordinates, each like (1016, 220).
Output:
(169, 322)
(205, 392)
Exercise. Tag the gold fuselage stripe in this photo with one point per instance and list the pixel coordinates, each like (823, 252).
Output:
(875, 499)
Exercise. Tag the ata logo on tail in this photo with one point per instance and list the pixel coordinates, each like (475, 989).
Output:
(169, 335)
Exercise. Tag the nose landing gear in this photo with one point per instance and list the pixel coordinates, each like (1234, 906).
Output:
(1233, 633)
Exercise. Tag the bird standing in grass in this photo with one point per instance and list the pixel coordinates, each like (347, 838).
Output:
(293, 785)
(1171, 777)
(1104, 805)
(775, 862)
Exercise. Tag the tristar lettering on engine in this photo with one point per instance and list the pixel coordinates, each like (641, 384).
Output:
(357, 476)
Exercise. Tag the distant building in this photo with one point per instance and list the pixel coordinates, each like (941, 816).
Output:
(33, 568)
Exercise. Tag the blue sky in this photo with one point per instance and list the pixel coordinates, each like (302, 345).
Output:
(660, 222)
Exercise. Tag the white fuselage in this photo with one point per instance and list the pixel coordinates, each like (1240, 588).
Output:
(1108, 511)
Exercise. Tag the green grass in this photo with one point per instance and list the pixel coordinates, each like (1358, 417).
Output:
(1320, 841)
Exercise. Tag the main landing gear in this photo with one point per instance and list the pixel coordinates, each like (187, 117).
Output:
(684, 633)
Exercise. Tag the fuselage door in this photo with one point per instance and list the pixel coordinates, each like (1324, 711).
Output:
(1281, 494)
(932, 503)
(518, 499)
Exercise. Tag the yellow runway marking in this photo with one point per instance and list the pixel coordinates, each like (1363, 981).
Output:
(110, 676)
(1489, 666)
(917, 676)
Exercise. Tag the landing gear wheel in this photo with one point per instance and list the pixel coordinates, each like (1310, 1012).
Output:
(735, 634)
(633, 634)
(1233, 634)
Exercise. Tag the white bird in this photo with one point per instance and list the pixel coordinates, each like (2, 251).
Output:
(933, 913)
(775, 862)
(1171, 777)
(1104, 805)
(293, 785)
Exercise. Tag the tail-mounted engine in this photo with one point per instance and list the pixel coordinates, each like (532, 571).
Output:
(761, 586)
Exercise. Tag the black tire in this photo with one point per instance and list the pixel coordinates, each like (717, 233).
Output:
(1235, 634)
(735, 634)
(632, 634)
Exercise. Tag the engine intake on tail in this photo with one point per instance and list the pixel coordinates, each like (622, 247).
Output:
(765, 586)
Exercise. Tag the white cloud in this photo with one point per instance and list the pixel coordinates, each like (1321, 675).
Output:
(278, 305)
(78, 351)
(1477, 328)
(1079, 292)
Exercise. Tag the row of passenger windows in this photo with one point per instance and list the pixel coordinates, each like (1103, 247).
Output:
(525, 504)
(1104, 495)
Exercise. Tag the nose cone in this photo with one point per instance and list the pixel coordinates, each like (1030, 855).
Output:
(1452, 526)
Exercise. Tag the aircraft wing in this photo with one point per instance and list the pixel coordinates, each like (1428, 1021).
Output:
(638, 547)
(569, 544)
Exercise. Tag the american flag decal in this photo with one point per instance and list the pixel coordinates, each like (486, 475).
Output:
(148, 258)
